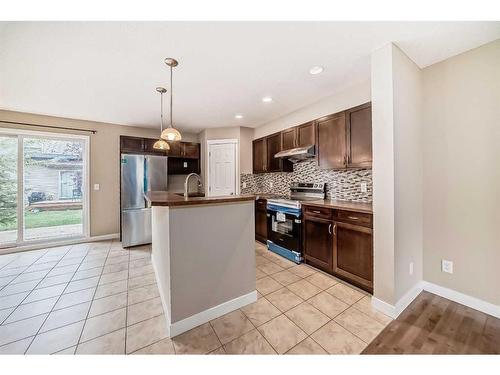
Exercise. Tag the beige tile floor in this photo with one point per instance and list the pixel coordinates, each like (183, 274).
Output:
(99, 298)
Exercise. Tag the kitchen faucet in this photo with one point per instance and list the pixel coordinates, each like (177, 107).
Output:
(186, 183)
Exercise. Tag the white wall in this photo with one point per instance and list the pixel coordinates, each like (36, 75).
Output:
(461, 180)
(407, 91)
(349, 98)
(397, 173)
(383, 174)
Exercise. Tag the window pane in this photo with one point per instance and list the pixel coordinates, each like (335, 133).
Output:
(53, 188)
(8, 189)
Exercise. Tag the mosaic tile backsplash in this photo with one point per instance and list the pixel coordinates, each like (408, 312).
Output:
(343, 184)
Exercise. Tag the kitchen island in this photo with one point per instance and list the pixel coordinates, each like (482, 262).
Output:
(203, 256)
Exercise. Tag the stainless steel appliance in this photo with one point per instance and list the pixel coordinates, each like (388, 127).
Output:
(284, 219)
(297, 154)
(139, 173)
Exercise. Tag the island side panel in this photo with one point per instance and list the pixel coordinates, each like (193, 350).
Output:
(160, 256)
(212, 256)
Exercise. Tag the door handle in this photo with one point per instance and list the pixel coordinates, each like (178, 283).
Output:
(330, 228)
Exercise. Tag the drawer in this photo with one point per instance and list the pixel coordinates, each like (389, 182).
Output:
(321, 212)
(260, 204)
(354, 217)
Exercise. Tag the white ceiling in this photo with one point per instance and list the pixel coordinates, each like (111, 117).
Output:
(108, 71)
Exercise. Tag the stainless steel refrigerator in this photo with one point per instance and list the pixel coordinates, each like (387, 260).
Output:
(139, 173)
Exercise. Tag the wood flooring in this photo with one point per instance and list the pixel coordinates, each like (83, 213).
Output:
(436, 325)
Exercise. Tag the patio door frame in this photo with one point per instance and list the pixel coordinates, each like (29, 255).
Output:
(20, 134)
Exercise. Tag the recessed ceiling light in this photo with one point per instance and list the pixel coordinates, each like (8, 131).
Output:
(316, 69)
(267, 99)
(238, 116)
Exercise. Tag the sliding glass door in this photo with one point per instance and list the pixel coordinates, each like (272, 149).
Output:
(45, 191)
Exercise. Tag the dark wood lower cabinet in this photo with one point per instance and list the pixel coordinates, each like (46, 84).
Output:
(338, 247)
(318, 243)
(261, 220)
(353, 255)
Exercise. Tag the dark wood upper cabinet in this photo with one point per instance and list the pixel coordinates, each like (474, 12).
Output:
(289, 138)
(175, 149)
(331, 142)
(273, 147)
(306, 135)
(184, 157)
(359, 136)
(353, 254)
(259, 155)
(318, 243)
(131, 144)
(191, 150)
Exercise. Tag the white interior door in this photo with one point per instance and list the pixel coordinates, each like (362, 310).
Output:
(222, 169)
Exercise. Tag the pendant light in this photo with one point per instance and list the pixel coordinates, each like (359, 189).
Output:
(161, 144)
(170, 133)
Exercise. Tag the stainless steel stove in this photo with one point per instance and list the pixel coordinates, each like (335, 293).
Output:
(284, 219)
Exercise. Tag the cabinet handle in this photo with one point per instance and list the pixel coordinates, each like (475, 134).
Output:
(352, 217)
(334, 229)
(330, 228)
(316, 212)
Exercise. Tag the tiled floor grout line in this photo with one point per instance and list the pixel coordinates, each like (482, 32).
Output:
(92, 300)
(27, 295)
(11, 282)
(52, 309)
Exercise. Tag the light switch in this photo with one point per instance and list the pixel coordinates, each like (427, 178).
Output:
(96, 187)
(185, 164)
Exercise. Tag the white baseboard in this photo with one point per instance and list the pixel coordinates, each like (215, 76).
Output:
(394, 310)
(475, 303)
(464, 299)
(71, 241)
(214, 312)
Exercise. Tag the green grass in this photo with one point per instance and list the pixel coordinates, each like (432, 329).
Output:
(48, 219)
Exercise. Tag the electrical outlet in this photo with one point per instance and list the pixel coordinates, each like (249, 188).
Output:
(446, 266)
(244, 185)
(96, 187)
(364, 187)
(185, 164)
(411, 268)
(271, 185)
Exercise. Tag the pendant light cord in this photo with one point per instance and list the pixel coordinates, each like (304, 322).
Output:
(171, 95)
(161, 112)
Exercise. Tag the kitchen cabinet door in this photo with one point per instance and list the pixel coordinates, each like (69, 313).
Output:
(318, 243)
(288, 139)
(261, 220)
(131, 144)
(273, 147)
(190, 150)
(306, 134)
(175, 149)
(259, 155)
(353, 254)
(331, 142)
(359, 136)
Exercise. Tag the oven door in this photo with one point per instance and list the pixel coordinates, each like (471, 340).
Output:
(284, 227)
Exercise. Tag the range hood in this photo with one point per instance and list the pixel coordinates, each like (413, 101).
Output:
(297, 154)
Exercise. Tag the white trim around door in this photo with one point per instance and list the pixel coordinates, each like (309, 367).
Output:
(213, 142)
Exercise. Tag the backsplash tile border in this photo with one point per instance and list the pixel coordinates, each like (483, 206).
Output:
(340, 184)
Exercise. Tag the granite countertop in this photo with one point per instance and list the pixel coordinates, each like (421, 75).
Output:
(165, 198)
(342, 205)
